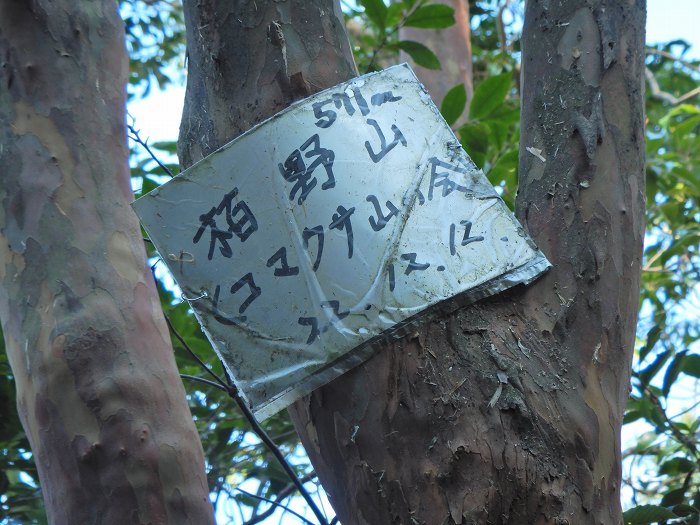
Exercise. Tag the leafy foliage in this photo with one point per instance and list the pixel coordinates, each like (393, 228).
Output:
(668, 355)
(155, 39)
(374, 29)
(20, 496)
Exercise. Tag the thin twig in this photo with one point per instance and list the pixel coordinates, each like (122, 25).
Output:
(137, 138)
(302, 518)
(388, 34)
(187, 347)
(203, 381)
(671, 56)
(265, 438)
(286, 491)
(689, 409)
(501, 27)
(657, 92)
(677, 433)
(234, 394)
(381, 45)
(652, 260)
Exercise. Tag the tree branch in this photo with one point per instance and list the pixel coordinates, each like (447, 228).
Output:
(187, 347)
(677, 433)
(274, 504)
(666, 54)
(286, 491)
(134, 135)
(234, 394)
(203, 381)
(665, 96)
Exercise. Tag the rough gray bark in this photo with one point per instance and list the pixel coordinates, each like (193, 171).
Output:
(409, 437)
(98, 391)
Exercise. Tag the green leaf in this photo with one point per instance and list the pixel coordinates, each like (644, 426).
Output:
(685, 510)
(434, 16)
(645, 514)
(653, 336)
(631, 416)
(673, 497)
(394, 14)
(505, 170)
(376, 11)
(475, 140)
(454, 103)
(166, 145)
(420, 54)
(649, 372)
(489, 95)
(691, 365)
(676, 465)
(672, 371)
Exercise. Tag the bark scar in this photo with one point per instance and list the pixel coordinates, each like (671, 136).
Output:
(591, 129)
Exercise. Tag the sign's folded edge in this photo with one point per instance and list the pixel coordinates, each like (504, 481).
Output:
(524, 274)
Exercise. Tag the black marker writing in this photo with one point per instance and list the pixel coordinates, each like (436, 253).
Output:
(295, 170)
(412, 264)
(361, 102)
(254, 290)
(218, 314)
(381, 220)
(241, 222)
(384, 148)
(341, 221)
(285, 270)
(329, 115)
(335, 306)
(442, 178)
(313, 323)
(466, 239)
(382, 98)
(342, 99)
(316, 231)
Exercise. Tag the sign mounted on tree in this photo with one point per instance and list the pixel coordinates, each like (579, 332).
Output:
(328, 228)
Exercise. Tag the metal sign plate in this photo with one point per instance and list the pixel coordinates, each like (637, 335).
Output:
(330, 227)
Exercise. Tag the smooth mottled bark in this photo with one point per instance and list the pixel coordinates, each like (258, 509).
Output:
(98, 391)
(425, 431)
(453, 47)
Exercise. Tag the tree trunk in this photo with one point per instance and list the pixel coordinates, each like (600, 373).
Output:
(249, 60)
(98, 391)
(453, 46)
(425, 432)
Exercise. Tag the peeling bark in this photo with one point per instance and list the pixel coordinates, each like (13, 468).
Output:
(507, 411)
(98, 391)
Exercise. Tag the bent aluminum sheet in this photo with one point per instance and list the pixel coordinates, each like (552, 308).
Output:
(327, 228)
